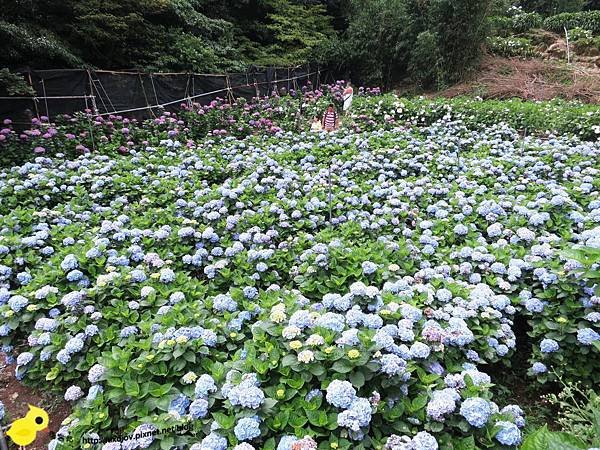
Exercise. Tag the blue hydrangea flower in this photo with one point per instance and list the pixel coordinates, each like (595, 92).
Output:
(74, 345)
(358, 415)
(179, 404)
(17, 303)
(476, 410)
(213, 441)
(587, 336)
(340, 394)
(369, 267)
(549, 346)
(246, 396)
(442, 402)
(205, 384)
(199, 408)
(128, 331)
(247, 429)
(509, 434)
(419, 350)
(69, 263)
(24, 358)
(538, 368)
(424, 441)
(24, 278)
(73, 393)
(286, 442)
(166, 275)
(250, 292)
(224, 302)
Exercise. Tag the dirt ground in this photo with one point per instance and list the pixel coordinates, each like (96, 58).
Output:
(530, 79)
(17, 396)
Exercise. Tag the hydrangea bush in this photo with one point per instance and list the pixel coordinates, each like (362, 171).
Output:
(292, 291)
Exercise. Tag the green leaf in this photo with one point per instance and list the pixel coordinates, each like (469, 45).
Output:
(357, 379)
(317, 370)
(317, 418)
(342, 366)
(132, 388)
(467, 443)
(538, 440)
(52, 374)
(419, 402)
(224, 420)
(289, 360)
(565, 441)
(167, 443)
(160, 389)
(298, 421)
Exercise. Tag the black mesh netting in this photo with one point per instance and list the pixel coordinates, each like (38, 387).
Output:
(138, 94)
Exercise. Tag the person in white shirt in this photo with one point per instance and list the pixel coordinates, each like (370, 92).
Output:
(347, 97)
(316, 124)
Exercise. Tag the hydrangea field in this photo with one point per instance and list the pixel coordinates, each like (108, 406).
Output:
(291, 291)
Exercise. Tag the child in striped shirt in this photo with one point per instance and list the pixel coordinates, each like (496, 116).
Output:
(330, 119)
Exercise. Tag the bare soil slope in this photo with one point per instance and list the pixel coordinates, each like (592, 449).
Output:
(531, 79)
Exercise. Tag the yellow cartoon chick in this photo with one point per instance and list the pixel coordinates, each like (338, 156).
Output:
(23, 431)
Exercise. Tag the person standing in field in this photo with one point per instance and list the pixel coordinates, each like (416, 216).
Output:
(347, 97)
(316, 126)
(330, 119)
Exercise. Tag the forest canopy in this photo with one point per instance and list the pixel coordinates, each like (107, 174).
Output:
(430, 42)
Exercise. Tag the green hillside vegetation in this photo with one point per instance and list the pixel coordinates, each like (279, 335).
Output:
(430, 44)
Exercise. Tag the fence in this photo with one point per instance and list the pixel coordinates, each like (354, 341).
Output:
(142, 95)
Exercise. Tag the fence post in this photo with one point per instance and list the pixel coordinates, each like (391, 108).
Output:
(568, 46)
(45, 98)
(37, 113)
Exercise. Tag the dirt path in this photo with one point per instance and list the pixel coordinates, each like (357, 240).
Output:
(17, 396)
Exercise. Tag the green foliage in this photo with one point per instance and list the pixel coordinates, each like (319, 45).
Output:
(578, 412)
(381, 53)
(196, 54)
(578, 416)
(500, 25)
(297, 31)
(424, 60)
(25, 44)
(518, 23)
(524, 22)
(588, 20)
(451, 43)
(461, 29)
(170, 35)
(543, 439)
(511, 46)
(13, 84)
(549, 7)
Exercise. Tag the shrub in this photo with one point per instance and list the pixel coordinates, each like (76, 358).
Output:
(562, 318)
(511, 46)
(578, 416)
(424, 60)
(14, 84)
(500, 25)
(524, 22)
(588, 20)
(578, 412)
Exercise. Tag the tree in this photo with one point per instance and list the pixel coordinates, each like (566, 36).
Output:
(297, 30)
(431, 40)
(461, 29)
(551, 7)
(378, 54)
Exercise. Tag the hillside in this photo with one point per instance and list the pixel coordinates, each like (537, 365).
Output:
(530, 79)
